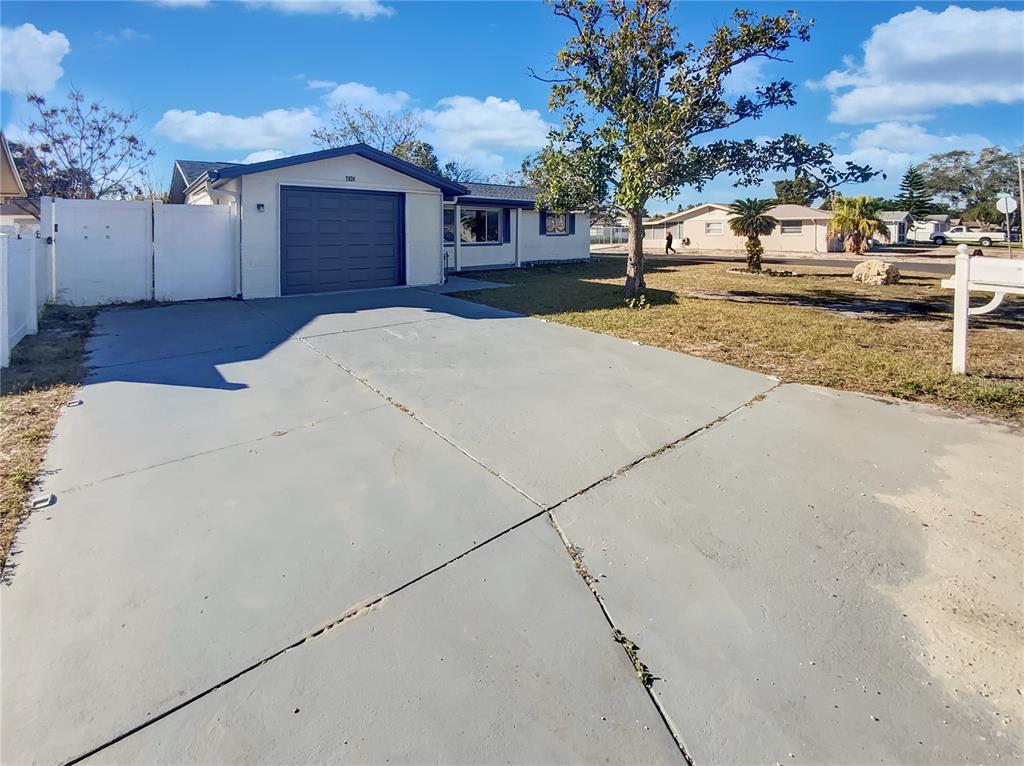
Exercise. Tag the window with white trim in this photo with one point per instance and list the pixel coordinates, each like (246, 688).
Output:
(791, 227)
(555, 223)
(480, 227)
(449, 226)
(714, 227)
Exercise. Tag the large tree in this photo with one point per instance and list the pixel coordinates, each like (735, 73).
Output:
(419, 153)
(968, 180)
(642, 116)
(799, 190)
(384, 130)
(82, 150)
(914, 196)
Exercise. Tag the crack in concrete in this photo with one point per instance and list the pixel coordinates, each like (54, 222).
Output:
(213, 450)
(367, 605)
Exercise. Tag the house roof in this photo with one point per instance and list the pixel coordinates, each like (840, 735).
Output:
(893, 215)
(10, 182)
(502, 192)
(941, 218)
(782, 212)
(449, 188)
(25, 207)
(186, 173)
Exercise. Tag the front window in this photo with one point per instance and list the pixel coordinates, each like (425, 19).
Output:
(555, 223)
(713, 227)
(790, 227)
(480, 226)
(449, 226)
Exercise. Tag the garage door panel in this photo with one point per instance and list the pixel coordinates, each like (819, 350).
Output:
(337, 239)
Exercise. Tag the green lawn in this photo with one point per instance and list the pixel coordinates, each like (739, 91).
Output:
(895, 340)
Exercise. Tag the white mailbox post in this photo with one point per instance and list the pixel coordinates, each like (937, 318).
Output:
(991, 275)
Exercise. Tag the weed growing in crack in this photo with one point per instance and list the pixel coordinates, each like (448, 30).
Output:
(647, 678)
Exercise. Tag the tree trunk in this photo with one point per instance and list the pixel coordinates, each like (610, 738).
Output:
(635, 256)
(754, 253)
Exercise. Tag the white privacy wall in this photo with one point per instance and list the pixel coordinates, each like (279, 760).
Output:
(192, 252)
(19, 311)
(106, 251)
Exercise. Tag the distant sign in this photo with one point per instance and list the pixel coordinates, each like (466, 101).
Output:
(1006, 205)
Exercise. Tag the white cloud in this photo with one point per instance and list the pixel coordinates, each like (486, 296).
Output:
(319, 84)
(464, 126)
(357, 94)
(745, 77)
(893, 146)
(357, 9)
(30, 59)
(920, 61)
(125, 35)
(262, 156)
(285, 128)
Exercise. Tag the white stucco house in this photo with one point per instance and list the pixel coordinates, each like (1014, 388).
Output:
(355, 217)
(706, 227)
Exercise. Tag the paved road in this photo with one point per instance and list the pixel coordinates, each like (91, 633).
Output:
(370, 527)
(944, 267)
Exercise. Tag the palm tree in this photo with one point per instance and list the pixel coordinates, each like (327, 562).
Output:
(854, 219)
(750, 219)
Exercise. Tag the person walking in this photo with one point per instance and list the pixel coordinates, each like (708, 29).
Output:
(668, 243)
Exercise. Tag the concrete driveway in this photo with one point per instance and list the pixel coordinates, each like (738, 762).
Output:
(396, 526)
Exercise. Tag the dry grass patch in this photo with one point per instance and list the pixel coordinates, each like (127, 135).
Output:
(44, 373)
(819, 327)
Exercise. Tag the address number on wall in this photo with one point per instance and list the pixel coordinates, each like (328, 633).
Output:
(350, 178)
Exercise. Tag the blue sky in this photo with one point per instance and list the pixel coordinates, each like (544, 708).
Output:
(886, 83)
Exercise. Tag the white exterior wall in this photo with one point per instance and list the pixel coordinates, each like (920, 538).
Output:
(813, 236)
(261, 234)
(18, 292)
(568, 247)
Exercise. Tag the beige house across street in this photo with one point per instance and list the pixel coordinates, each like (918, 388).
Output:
(706, 227)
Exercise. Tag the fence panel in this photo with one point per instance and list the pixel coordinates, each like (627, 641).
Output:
(19, 312)
(103, 251)
(193, 252)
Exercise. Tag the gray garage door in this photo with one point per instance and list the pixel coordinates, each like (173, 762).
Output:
(340, 240)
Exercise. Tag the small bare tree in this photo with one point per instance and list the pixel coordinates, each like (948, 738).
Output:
(460, 172)
(84, 150)
(386, 131)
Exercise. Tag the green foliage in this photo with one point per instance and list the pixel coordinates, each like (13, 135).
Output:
(419, 153)
(751, 219)
(966, 180)
(638, 302)
(800, 190)
(640, 113)
(856, 220)
(385, 131)
(643, 116)
(914, 196)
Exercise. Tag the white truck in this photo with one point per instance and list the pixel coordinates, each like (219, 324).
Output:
(963, 234)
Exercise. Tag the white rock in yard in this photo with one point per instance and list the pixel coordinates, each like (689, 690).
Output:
(876, 272)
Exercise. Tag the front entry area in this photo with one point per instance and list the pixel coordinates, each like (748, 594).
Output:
(333, 239)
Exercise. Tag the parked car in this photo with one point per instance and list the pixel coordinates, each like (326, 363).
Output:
(963, 234)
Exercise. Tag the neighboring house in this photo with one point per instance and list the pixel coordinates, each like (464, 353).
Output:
(897, 224)
(18, 214)
(706, 227)
(923, 231)
(356, 217)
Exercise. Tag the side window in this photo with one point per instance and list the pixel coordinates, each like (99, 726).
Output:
(449, 226)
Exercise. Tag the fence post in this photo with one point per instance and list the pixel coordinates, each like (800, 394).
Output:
(33, 289)
(961, 306)
(5, 306)
(46, 233)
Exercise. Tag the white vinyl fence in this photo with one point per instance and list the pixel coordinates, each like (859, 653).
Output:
(94, 252)
(20, 271)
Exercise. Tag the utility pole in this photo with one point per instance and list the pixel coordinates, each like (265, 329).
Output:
(1020, 197)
